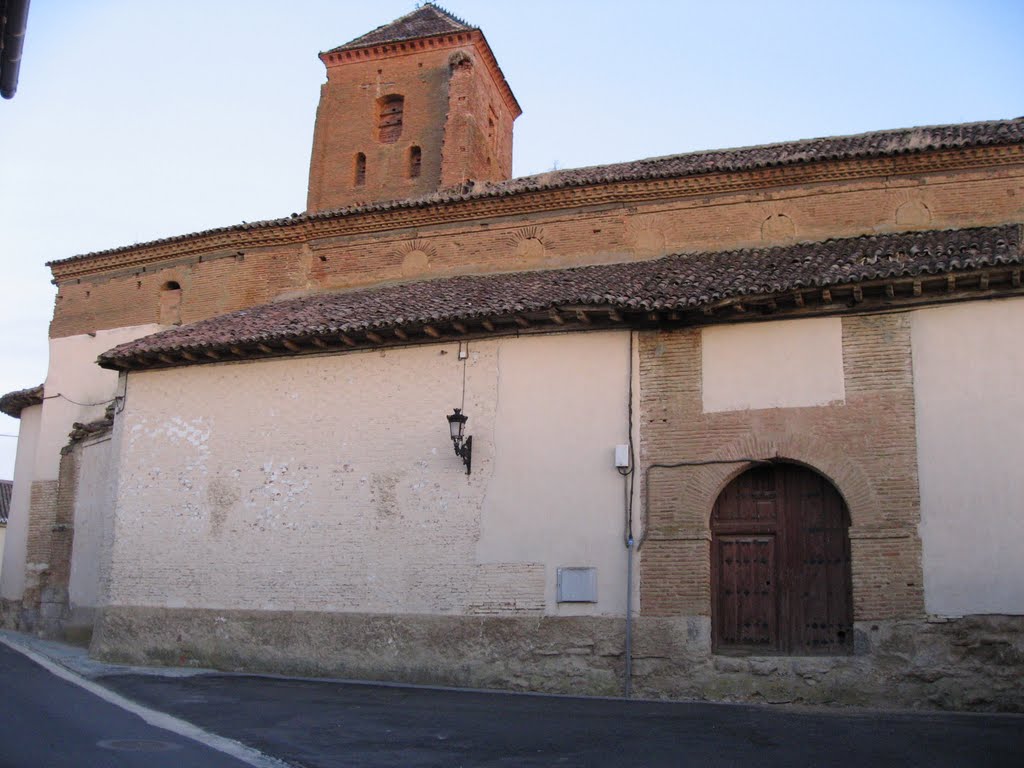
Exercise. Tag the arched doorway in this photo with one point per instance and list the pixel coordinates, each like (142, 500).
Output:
(780, 567)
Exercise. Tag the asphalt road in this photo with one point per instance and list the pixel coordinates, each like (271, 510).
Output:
(48, 722)
(334, 724)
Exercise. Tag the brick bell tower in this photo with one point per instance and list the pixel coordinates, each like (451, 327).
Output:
(410, 108)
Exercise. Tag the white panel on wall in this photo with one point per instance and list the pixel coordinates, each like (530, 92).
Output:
(968, 379)
(781, 364)
(577, 585)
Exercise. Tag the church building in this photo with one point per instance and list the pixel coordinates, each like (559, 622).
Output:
(742, 424)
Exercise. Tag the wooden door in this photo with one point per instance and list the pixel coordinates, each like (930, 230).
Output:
(747, 615)
(781, 564)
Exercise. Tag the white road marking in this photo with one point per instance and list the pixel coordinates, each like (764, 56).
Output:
(157, 719)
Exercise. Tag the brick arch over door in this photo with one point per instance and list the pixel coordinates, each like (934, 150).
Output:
(825, 457)
(676, 566)
(780, 564)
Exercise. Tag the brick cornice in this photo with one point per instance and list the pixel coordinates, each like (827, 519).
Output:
(459, 209)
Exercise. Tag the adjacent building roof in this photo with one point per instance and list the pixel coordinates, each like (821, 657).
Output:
(13, 21)
(877, 144)
(675, 284)
(13, 402)
(426, 21)
(6, 487)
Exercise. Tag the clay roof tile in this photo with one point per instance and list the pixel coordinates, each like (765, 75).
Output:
(14, 402)
(426, 21)
(681, 281)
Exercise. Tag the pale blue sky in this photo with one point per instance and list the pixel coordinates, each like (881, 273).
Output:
(138, 119)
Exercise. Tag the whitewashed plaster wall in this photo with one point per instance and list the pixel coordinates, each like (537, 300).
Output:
(554, 496)
(94, 503)
(12, 573)
(969, 393)
(329, 483)
(778, 364)
(73, 373)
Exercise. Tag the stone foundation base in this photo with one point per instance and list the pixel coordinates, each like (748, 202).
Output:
(557, 655)
(11, 615)
(51, 620)
(971, 663)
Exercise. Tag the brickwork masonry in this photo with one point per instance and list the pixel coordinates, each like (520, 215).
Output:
(866, 445)
(43, 539)
(44, 604)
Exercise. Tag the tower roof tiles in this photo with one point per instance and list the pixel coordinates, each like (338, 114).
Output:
(426, 21)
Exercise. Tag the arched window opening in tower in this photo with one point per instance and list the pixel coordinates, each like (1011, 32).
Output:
(359, 176)
(390, 122)
(415, 162)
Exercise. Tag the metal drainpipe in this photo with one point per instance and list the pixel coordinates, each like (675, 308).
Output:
(629, 545)
(629, 488)
(629, 617)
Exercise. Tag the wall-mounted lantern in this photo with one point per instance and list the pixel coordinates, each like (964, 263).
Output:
(463, 445)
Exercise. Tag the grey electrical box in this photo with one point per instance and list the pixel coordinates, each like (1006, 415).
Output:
(577, 585)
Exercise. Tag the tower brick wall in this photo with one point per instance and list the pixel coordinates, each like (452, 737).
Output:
(450, 109)
(478, 130)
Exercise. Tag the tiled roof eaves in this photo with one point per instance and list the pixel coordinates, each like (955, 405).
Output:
(877, 144)
(13, 403)
(430, 20)
(684, 282)
(355, 44)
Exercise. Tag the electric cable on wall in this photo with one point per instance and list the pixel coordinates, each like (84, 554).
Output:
(677, 465)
